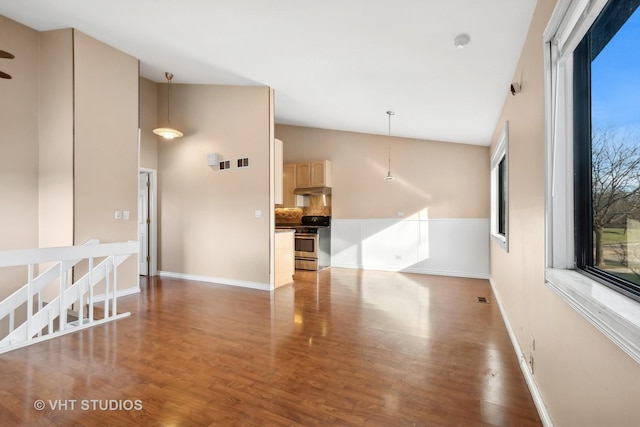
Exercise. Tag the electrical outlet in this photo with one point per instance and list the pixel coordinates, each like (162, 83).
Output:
(531, 363)
(125, 214)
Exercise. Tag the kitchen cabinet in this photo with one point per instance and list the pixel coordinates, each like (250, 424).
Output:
(284, 257)
(288, 185)
(278, 194)
(316, 173)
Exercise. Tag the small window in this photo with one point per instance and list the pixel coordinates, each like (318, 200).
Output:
(500, 191)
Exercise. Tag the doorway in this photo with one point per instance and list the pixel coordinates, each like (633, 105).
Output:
(147, 223)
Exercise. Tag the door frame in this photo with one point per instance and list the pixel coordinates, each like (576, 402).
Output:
(153, 217)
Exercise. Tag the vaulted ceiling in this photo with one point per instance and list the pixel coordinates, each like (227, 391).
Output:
(334, 64)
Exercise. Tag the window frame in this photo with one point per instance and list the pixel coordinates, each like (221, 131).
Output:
(614, 314)
(500, 190)
(583, 187)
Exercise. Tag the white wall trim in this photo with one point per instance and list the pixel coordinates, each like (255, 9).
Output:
(451, 273)
(217, 280)
(545, 417)
(119, 293)
(445, 246)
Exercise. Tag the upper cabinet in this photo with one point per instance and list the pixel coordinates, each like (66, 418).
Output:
(288, 185)
(313, 174)
(278, 174)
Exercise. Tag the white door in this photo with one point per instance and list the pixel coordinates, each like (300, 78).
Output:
(143, 222)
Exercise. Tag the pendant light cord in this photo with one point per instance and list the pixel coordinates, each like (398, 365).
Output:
(169, 76)
(390, 113)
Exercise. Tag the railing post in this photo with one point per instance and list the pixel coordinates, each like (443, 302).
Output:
(107, 279)
(62, 322)
(81, 308)
(39, 308)
(29, 300)
(115, 286)
(90, 277)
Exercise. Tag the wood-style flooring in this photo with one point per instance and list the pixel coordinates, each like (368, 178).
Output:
(336, 348)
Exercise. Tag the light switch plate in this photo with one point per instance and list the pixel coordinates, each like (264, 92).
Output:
(258, 213)
(117, 214)
(125, 214)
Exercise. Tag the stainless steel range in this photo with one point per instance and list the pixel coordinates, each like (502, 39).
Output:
(312, 242)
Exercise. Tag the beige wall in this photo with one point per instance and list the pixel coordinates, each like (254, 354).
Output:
(148, 122)
(441, 180)
(106, 146)
(207, 217)
(55, 111)
(18, 147)
(19, 137)
(584, 379)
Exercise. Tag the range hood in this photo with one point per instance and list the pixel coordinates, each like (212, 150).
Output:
(310, 191)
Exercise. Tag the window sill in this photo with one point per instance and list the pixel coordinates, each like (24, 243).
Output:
(615, 315)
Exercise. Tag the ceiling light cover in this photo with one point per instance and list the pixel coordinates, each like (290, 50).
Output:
(168, 132)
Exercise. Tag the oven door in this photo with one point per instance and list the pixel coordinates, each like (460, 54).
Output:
(306, 245)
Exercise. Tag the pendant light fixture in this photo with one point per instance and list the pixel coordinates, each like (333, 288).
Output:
(168, 132)
(389, 177)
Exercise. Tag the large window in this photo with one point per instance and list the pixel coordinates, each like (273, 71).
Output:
(606, 135)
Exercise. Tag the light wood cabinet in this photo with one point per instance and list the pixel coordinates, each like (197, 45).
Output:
(278, 194)
(288, 185)
(284, 257)
(316, 173)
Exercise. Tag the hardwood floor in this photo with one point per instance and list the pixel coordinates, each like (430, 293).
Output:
(336, 348)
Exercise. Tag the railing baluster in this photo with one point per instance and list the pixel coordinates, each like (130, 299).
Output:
(114, 302)
(90, 290)
(81, 308)
(50, 325)
(62, 318)
(29, 301)
(107, 278)
(39, 305)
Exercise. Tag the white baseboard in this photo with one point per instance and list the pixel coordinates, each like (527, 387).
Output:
(545, 417)
(119, 293)
(466, 274)
(216, 280)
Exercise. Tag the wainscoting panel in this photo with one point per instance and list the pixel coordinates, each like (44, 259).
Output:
(451, 247)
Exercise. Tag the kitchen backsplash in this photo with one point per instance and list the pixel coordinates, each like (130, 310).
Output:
(316, 210)
(288, 215)
(294, 215)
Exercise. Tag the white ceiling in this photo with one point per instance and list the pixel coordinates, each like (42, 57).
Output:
(334, 64)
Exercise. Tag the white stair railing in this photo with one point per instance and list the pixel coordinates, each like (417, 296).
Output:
(81, 291)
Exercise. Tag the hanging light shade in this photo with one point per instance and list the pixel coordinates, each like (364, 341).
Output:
(168, 132)
(389, 177)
